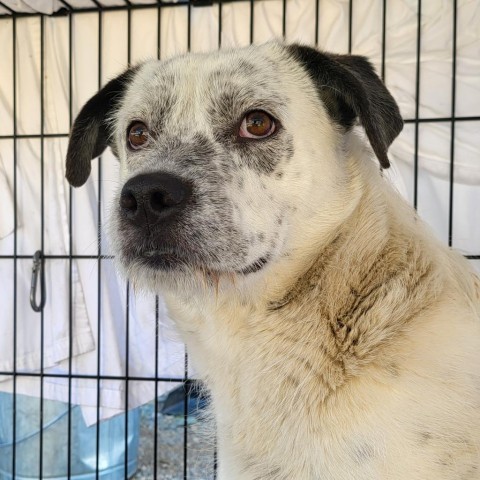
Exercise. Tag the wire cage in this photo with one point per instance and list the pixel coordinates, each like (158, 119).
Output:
(449, 116)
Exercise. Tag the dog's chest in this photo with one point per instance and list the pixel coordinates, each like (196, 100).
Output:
(269, 391)
(284, 409)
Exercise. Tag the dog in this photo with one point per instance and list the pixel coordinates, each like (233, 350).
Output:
(337, 337)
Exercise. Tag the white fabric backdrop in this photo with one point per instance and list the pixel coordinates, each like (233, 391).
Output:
(434, 158)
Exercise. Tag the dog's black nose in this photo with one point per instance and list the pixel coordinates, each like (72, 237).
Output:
(153, 197)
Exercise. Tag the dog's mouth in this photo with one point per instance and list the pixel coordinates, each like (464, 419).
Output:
(162, 259)
(171, 259)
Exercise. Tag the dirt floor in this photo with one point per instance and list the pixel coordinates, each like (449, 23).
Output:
(170, 447)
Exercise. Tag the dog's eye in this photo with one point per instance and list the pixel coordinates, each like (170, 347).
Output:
(257, 124)
(137, 135)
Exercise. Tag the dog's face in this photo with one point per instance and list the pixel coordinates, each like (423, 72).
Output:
(225, 156)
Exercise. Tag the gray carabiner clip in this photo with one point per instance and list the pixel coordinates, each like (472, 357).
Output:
(37, 271)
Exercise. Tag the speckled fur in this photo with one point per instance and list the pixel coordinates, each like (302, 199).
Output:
(354, 353)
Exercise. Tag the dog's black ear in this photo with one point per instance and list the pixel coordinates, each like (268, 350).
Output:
(90, 133)
(350, 89)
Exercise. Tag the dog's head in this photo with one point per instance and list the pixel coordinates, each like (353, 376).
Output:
(225, 157)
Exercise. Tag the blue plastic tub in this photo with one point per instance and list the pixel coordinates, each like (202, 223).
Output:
(83, 463)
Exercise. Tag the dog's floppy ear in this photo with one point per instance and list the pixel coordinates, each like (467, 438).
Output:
(90, 133)
(350, 89)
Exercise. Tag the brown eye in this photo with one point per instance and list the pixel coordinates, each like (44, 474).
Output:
(257, 124)
(137, 135)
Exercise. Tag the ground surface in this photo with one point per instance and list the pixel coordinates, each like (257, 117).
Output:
(170, 447)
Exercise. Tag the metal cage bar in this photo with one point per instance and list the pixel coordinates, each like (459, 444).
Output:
(470, 118)
(127, 5)
(15, 248)
(416, 120)
(99, 262)
(157, 318)
(70, 260)
(42, 229)
(452, 128)
(127, 293)
(384, 39)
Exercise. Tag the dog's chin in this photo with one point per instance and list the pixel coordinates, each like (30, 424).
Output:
(174, 265)
(162, 261)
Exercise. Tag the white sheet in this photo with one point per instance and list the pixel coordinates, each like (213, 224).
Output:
(434, 158)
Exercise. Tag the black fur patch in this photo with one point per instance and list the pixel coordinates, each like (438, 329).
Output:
(350, 88)
(90, 134)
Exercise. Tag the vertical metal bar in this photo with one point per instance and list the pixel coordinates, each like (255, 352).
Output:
(215, 459)
(185, 405)
(219, 46)
(452, 131)
(15, 247)
(70, 253)
(155, 418)
(127, 306)
(417, 105)
(185, 421)
(99, 262)
(384, 37)
(127, 353)
(189, 26)
(284, 19)
(42, 213)
(220, 5)
(350, 27)
(159, 36)
(252, 13)
(317, 27)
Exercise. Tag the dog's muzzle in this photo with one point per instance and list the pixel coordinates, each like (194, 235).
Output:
(161, 228)
(151, 207)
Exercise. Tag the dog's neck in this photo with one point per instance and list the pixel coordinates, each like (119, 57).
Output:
(357, 291)
(295, 350)
(364, 287)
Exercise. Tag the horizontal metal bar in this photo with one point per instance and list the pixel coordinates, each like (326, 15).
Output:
(33, 136)
(408, 120)
(116, 8)
(96, 377)
(60, 257)
(112, 257)
(442, 119)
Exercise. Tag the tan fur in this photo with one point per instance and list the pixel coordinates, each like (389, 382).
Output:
(364, 366)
